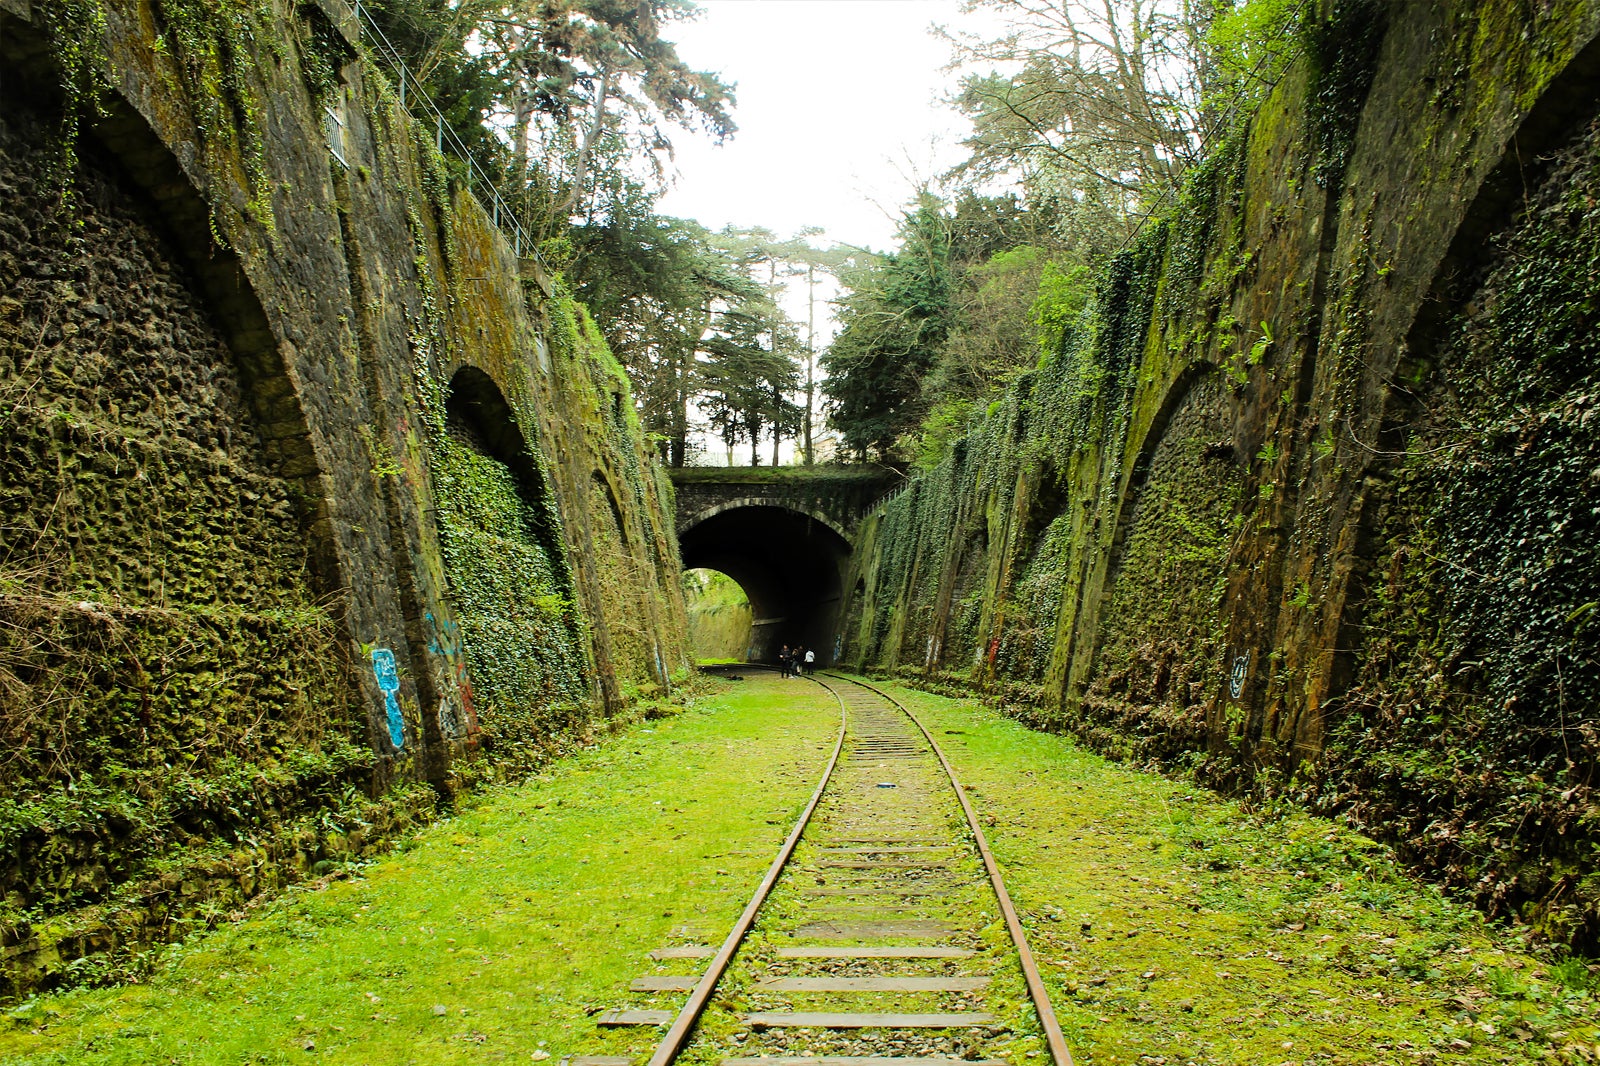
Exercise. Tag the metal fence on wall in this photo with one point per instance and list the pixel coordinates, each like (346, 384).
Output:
(414, 99)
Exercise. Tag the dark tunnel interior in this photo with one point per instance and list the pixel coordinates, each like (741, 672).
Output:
(789, 564)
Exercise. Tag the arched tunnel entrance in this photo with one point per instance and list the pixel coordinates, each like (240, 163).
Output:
(790, 565)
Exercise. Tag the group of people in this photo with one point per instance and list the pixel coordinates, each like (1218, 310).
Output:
(797, 661)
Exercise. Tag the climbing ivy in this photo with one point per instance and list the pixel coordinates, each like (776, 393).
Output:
(521, 630)
(77, 30)
(1343, 49)
(1471, 733)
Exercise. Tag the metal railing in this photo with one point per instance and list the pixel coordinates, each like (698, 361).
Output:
(413, 97)
(889, 497)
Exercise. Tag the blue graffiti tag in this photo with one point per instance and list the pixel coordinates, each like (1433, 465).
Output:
(446, 639)
(388, 675)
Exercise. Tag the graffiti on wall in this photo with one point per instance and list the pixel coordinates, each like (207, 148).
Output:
(444, 640)
(1241, 668)
(388, 677)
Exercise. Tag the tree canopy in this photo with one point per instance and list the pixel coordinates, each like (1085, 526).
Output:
(1085, 119)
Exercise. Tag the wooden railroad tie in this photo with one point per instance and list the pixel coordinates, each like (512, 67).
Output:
(849, 1020)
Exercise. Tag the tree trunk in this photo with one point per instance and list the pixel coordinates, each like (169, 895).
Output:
(678, 427)
(811, 356)
(591, 134)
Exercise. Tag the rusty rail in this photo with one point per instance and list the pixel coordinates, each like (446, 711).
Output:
(1030, 969)
(683, 1024)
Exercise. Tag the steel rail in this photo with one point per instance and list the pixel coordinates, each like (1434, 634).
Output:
(1030, 970)
(678, 1034)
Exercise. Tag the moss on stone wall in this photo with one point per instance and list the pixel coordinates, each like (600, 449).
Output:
(1473, 728)
(1256, 519)
(171, 682)
(257, 579)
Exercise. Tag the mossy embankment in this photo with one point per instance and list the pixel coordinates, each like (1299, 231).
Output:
(498, 933)
(1299, 503)
(323, 501)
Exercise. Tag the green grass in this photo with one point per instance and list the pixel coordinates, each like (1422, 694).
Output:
(495, 935)
(1216, 932)
(1178, 927)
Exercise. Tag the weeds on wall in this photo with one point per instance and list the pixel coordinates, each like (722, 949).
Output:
(212, 44)
(211, 47)
(77, 30)
(508, 579)
(1161, 639)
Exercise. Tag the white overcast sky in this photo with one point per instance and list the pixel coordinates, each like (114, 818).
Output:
(839, 111)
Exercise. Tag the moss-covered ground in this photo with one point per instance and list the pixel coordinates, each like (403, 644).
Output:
(1174, 927)
(496, 935)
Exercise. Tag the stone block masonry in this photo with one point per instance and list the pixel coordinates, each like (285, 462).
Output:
(312, 508)
(1306, 506)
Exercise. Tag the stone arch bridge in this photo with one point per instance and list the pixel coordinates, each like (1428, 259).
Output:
(785, 535)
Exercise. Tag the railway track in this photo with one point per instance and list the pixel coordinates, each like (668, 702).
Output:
(881, 935)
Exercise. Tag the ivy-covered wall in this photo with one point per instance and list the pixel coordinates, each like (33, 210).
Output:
(318, 503)
(1304, 501)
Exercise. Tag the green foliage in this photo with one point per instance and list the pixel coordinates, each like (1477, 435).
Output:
(1251, 43)
(1065, 290)
(719, 616)
(694, 318)
(973, 308)
(1343, 49)
(77, 31)
(431, 39)
(213, 45)
(894, 320)
(947, 423)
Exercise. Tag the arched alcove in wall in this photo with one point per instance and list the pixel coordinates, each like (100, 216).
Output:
(1045, 552)
(478, 416)
(962, 638)
(1157, 611)
(164, 516)
(508, 580)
